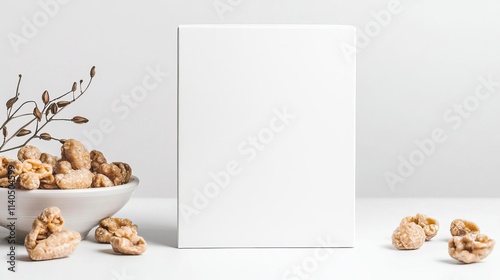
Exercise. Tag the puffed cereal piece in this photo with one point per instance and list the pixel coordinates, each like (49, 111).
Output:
(17, 167)
(4, 163)
(47, 240)
(460, 227)
(28, 152)
(408, 236)
(97, 158)
(57, 245)
(37, 167)
(126, 171)
(63, 167)
(49, 159)
(48, 179)
(48, 222)
(4, 182)
(108, 226)
(470, 248)
(126, 241)
(112, 171)
(101, 181)
(117, 172)
(75, 179)
(75, 152)
(29, 181)
(430, 225)
(4, 167)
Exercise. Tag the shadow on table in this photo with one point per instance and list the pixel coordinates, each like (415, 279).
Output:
(452, 262)
(389, 247)
(165, 235)
(161, 234)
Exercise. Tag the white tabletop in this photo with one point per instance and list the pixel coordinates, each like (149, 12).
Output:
(372, 258)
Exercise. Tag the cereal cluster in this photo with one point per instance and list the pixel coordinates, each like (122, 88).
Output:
(122, 235)
(77, 168)
(467, 244)
(49, 240)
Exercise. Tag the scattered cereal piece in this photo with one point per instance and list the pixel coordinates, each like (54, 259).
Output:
(461, 227)
(126, 241)
(47, 240)
(108, 226)
(470, 248)
(408, 236)
(430, 225)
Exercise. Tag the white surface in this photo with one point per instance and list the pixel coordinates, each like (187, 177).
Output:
(267, 119)
(423, 60)
(372, 258)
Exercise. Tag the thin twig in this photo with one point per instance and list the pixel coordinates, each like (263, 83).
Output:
(40, 124)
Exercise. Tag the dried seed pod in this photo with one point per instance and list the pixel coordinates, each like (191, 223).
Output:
(63, 103)
(5, 132)
(92, 72)
(45, 97)
(23, 132)
(74, 87)
(53, 108)
(11, 102)
(37, 114)
(45, 136)
(461, 227)
(79, 119)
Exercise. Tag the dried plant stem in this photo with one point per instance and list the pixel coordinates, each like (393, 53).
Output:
(51, 107)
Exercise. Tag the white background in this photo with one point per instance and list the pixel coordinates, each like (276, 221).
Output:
(411, 70)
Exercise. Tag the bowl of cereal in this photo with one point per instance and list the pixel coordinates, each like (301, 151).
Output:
(83, 209)
(82, 184)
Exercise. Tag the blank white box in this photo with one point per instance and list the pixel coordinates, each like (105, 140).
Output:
(266, 136)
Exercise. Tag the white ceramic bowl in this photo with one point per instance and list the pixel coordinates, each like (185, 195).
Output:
(81, 209)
